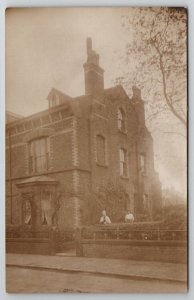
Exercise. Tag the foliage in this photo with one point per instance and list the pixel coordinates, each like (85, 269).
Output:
(57, 202)
(175, 217)
(111, 197)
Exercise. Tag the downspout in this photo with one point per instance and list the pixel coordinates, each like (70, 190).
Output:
(90, 158)
(137, 174)
(10, 175)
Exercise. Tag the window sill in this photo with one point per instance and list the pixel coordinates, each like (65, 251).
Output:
(39, 173)
(124, 177)
(143, 174)
(101, 165)
(122, 131)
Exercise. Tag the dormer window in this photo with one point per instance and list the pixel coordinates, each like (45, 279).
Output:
(121, 120)
(55, 100)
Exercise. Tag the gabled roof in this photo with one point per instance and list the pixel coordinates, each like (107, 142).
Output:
(62, 95)
(118, 89)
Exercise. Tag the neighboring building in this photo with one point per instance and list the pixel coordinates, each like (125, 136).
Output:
(75, 146)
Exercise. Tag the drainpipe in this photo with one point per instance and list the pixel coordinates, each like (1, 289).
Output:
(137, 170)
(10, 175)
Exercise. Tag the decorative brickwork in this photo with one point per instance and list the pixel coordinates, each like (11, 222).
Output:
(75, 144)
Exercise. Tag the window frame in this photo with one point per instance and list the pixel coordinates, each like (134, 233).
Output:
(33, 157)
(123, 163)
(121, 119)
(99, 162)
(143, 169)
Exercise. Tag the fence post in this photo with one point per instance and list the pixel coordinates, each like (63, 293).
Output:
(78, 244)
(117, 233)
(53, 241)
(105, 235)
(158, 234)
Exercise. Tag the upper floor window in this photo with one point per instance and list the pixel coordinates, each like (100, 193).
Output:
(101, 149)
(39, 155)
(142, 163)
(121, 120)
(123, 162)
(54, 101)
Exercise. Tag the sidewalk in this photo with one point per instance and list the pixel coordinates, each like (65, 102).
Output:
(139, 270)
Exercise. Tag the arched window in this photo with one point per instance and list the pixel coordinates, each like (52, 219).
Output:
(123, 162)
(101, 149)
(121, 119)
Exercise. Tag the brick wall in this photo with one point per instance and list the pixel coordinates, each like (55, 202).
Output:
(83, 142)
(73, 154)
(104, 122)
(163, 251)
(29, 246)
(62, 151)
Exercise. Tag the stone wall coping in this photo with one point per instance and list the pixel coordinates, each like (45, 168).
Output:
(135, 242)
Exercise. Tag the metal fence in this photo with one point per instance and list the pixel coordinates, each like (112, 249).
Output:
(130, 234)
(28, 232)
(95, 232)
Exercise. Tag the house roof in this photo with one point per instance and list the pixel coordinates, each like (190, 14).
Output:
(37, 179)
(76, 105)
(10, 116)
(62, 95)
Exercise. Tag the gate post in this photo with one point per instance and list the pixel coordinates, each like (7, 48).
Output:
(78, 244)
(53, 241)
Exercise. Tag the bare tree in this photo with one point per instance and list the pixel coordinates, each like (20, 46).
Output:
(156, 59)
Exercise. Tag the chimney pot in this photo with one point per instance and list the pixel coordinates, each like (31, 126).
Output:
(136, 93)
(89, 45)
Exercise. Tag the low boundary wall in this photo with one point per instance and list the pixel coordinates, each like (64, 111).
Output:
(163, 251)
(30, 246)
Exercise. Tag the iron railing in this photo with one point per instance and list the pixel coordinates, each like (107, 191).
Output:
(119, 234)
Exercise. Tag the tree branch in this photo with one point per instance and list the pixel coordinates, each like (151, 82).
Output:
(168, 101)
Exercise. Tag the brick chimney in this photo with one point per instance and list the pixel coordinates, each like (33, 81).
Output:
(94, 74)
(138, 105)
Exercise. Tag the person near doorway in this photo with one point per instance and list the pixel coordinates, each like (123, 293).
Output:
(129, 217)
(104, 218)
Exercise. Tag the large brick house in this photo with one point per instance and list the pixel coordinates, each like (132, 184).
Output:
(75, 146)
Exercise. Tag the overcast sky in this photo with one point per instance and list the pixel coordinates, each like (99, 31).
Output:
(45, 48)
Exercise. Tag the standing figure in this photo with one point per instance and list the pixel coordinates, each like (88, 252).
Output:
(104, 218)
(129, 218)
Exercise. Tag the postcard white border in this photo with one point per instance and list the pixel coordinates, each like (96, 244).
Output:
(59, 3)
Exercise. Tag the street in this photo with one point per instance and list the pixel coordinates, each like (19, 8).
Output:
(33, 281)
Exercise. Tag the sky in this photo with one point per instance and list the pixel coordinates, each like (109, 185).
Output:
(46, 48)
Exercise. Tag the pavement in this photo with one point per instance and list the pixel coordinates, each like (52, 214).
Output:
(118, 268)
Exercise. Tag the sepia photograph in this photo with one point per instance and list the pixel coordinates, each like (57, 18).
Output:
(96, 149)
